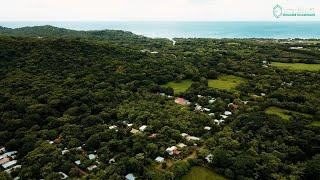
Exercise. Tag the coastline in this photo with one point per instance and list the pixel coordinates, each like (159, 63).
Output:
(181, 29)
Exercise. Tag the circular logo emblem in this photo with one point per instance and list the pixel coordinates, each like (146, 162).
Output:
(277, 11)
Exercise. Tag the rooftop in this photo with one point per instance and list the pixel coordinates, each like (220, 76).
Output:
(64, 176)
(159, 159)
(78, 162)
(181, 145)
(130, 176)
(9, 164)
(134, 131)
(142, 128)
(4, 160)
(92, 156)
(92, 167)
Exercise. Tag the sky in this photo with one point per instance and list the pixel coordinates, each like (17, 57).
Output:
(151, 10)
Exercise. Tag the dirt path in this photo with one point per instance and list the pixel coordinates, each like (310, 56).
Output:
(193, 155)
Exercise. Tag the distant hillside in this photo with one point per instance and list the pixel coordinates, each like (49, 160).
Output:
(116, 36)
(3, 28)
(51, 31)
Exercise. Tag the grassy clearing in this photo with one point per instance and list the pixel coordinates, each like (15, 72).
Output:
(201, 173)
(226, 82)
(284, 113)
(315, 124)
(179, 87)
(297, 66)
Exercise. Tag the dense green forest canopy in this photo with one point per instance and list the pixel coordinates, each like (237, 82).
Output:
(76, 103)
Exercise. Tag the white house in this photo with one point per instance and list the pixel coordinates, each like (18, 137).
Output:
(92, 156)
(192, 138)
(64, 151)
(113, 127)
(112, 161)
(171, 149)
(218, 121)
(14, 168)
(206, 109)
(207, 128)
(224, 116)
(212, 100)
(130, 176)
(198, 108)
(189, 138)
(159, 159)
(78, 162)
(142, 128)
(209, 158)
(211, 114)
(9, 164)
(92, 167)
(184, 134)
(296, 47)
(245, 102)
(10, 154)
(144, 50)
(64, 176)
(227, 113)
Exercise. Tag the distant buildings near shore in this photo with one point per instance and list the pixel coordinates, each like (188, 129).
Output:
(8, 161)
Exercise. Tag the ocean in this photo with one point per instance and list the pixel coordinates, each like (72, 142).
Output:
(154, 29)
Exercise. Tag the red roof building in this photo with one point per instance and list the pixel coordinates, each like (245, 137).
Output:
(4, 160)
(152, 136)
(176, 152)
(182, 101)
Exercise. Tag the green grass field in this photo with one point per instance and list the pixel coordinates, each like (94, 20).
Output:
(179, 87)
(226, 82)
(297, 66)
(279, 112)
(201, 173)
(284, 113)
(315, 124)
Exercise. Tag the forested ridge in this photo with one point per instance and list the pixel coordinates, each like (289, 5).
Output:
(66, 96)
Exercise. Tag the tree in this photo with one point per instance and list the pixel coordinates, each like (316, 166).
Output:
(180, 168)
(4, 175)
(312, 169)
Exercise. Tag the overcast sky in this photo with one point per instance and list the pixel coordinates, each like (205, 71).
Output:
(139, 10)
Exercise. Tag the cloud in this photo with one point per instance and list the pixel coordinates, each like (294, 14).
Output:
(103, 10)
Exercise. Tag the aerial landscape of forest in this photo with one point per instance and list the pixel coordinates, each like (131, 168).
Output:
(113, 105)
